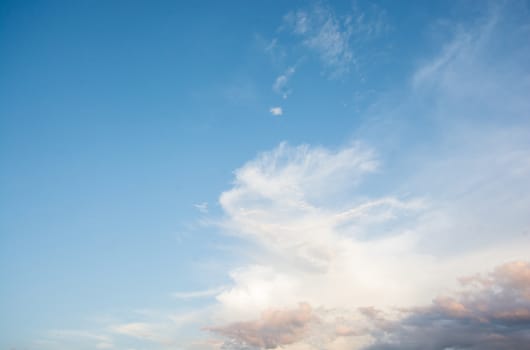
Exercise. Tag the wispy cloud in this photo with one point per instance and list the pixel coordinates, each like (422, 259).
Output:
(198, 293)
(326, 34)
(145, 331)
(137, 330)
(202, 207)
(280, 84)
(335, 39)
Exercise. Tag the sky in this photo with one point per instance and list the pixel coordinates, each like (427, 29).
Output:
(237, 175)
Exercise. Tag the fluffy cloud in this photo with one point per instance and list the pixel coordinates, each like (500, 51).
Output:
(276, 111)
(276, 198)
(275, 328)
(365, 262)
(493, 313)
(488, 312)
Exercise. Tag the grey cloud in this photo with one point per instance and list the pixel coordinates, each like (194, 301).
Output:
(492, 312)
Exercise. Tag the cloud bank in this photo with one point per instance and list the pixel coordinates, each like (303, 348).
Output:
(492, 313)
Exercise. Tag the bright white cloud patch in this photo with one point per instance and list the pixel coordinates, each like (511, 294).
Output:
(276, 111)
(300, 204)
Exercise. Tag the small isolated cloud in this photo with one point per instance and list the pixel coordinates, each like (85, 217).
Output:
(276, 111)
(276, 327)
(202, 207)
(280, 84)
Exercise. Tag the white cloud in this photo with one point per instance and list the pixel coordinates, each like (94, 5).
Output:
(337, 40)
(276, 111)
(460, 210)
(289, 202)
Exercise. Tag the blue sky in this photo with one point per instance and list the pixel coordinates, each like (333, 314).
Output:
(204, 176)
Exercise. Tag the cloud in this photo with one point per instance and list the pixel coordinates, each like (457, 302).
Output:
(326, 34)
(156, 333)
(136, 330)
(394, 233)
(493, 314)
(488, 312)
(301, 206)
(202, 207)
(275, 328)
(280, 84)
(272, 195)
(198, 293)
(335, 39)
(276, 111)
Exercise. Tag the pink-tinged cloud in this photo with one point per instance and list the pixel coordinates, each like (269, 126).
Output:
(491, 312)
(276, 327)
